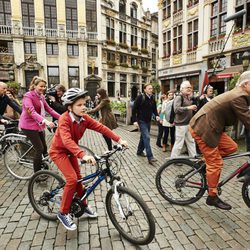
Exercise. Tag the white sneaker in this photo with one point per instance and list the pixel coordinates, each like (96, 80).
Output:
(67, 221)
(89, 213)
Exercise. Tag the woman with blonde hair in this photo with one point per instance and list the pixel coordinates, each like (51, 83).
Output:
(33, 121)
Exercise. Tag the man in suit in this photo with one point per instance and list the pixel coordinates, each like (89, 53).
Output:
(207, 128)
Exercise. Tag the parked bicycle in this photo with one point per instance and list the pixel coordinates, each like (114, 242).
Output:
(183, 181)
(18, 153)
(128, 212)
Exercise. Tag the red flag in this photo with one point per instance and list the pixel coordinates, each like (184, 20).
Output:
(205, 82)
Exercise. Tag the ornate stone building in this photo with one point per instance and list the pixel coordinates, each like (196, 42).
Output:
(192, 34)
(75, 42)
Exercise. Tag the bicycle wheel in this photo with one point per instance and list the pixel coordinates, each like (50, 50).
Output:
(246, 192)
(175, 186)
(87, 168)
(45, 193)
(18, 159)
(138, 226)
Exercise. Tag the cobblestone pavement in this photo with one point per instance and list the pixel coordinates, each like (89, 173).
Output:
(177, 227)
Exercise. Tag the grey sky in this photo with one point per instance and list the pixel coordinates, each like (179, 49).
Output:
(151, 4)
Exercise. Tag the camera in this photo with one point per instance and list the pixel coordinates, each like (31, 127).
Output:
(51, 92)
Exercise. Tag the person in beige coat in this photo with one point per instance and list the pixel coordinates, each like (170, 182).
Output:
(207, 128)
(107, 117)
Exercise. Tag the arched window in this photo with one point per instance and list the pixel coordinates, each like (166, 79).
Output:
(122, 7)
(133, 10)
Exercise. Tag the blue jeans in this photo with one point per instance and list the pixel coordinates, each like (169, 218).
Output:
(145, 139)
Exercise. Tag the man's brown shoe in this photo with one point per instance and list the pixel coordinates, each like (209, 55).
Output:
(151, 161)
(217, 202)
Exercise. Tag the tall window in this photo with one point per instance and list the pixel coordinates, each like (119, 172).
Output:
(73, 50)
(133, 10)
(110, 29)
(123, 85)
(134, 61)
(110, 56)
(243, 22)
(6, 47)
(73, 73)
(144, 39)
(91, 16)
(28, 13)
(166, 9)
(192, 3)
(133, 36)
(50, 14)
(123, 59)
(111, 84)
(122, 6)
(167, 44)
(92, 50)
(71, 15)
(193, 35)
(5, 12)
(123, 33)
(30, 48)
(178, 5)
(53, 75)
(177, 41)
(153, 58)
(219, 12)
(52, 48)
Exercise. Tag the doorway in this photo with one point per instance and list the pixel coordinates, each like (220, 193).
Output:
(29, 74)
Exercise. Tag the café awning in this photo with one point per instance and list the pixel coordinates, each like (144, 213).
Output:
(230, 72)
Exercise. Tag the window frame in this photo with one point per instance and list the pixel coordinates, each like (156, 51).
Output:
(5, 13)
(29, 4)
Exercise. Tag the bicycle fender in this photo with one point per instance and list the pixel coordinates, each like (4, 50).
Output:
(14, 137)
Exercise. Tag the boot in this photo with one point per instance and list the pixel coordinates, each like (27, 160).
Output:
(164, 148)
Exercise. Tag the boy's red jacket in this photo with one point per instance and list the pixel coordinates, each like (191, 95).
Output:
(69, 133)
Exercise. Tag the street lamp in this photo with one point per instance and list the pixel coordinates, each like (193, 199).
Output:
(245, 60)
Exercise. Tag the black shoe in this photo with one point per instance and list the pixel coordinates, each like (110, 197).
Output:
(151, 161)
(217, 202)
(159, 145)
(142, 154)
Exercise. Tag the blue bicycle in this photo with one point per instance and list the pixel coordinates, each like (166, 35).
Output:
(127, 211)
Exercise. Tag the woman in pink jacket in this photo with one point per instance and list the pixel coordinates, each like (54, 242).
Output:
(32, 120)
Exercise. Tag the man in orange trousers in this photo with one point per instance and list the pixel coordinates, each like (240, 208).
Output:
(207, 128)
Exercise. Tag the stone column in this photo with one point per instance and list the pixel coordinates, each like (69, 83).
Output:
(63, 62)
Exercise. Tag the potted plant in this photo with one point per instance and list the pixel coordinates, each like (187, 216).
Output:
(134, 48)
(144, 69)
(111, 64)
(135, 66)
(123, 45)
(111, 42)
(125, 65)
(144, 51)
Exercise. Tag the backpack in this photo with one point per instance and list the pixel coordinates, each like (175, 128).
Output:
(172, 113)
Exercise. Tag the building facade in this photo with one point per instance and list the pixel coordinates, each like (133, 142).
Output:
(78, 43)
(192, 35)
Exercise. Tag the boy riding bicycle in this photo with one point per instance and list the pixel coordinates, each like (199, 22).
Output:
(64, 150)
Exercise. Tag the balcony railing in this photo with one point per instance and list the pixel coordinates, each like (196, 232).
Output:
(191, 56)
(178, 17)
(92, 35)
(51, 32)
(4, 29)
(216, 45)
(29, 31)
(122, 16)
(72, 33)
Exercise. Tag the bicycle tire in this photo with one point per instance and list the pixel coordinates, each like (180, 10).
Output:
(169, 182)
(147, 235)
(87, 168)
(245, 191)
(21, 169)
(45, 202)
